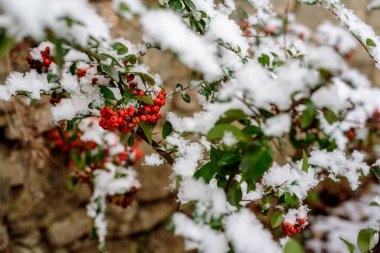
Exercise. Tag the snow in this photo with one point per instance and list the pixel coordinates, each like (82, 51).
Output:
(199, 236)
(154, 160)
(23, 18)
(337, 165)
(229, 139)
(210, 199)
(336, 36)
(294, 214)
(277, 125)
(168, 30)
(374, 4)
(290, 179)
(248, 235)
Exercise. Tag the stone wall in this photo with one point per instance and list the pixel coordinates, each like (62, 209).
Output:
(39, 214)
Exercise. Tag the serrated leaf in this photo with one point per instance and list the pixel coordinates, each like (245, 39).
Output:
(305, 162)
(145, 99)
(107, 93)
(167, 130)
(369, 42)
(293, 246)
(365, 240)
(276, 219)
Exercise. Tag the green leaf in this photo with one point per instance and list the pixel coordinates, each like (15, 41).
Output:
(167, 130)
(329, 116)
(51, 77)
(147, 79)
(207, 172)
(229, 158)
(188, 204)
(107, 93)
(376, 172)
(6, 43)
(366, 240)
(73, 68)
(218, 131)
(234, 194)
(350, 246)
(369, 42)
(131, 140)
(230, 116)
(147, 129)
(291, 200)
(111, 71)
(145, 99)
(264, 60)
(186, 97)
(59, 53)
(120, 48)
(175, 5)
(307, 116)
(191, 5)
(256, 162)
(293, 246)
(276, 219)
(305, 162)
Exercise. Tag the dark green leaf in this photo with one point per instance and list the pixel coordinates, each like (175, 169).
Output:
(376, 172)
(51, 77)
(59, 53)
(291, 200)
(207, 172)
(147, 129)
(264, 60)
(276, 219)
(107, 93)
(234, 194)
(167, 130)
(305, 162)
(175, 5)
(229, 158)
(131, 140)
(256, 162)
(186, 97)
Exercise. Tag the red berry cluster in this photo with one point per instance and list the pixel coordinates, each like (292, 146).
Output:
(126, 119)
(123, 200)
(67, 142)
(41, 67)
(289, 229)
(151, 114)
(81, 73)
(123, 119)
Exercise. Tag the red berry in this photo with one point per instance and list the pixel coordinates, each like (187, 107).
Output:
(130, 77)
(47, 61)
(94, 80)
(155, 108)
(141, 93)
(134, 92)
(143, 118)
(81, 73)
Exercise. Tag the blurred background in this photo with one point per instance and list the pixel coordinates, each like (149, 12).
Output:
(40, 214)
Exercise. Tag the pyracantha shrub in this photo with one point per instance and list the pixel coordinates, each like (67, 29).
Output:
(282, 112)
